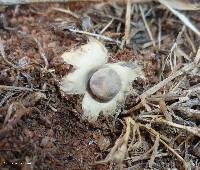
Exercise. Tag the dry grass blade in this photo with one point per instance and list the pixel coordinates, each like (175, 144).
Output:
(155, 150)
(137, 107)
(127, 23)
(147, 26)
(177, 73)
(132, 1)
(95, 35)
(197, 58)
(119, 150)
(164, 110)
(159, 33)
(182, 17)
(183, 5)
(133, 137)
(179, 52)
(67, 11)
(155, 133)
(107, 26)
(155, 88)
(14, 2)
(42, 53)
(135, 131)
(194, 130)
(173, 96)
(195, 114)
(146, 156)
(3, 87)
(190, 41)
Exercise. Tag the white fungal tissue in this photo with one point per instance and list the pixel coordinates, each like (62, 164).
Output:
(104, 85)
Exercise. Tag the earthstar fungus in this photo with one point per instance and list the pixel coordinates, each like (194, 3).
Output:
(104, 85)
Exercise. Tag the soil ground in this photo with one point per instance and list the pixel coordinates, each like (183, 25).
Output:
(41, 125)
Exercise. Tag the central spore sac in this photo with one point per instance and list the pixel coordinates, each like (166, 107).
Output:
(105, 84)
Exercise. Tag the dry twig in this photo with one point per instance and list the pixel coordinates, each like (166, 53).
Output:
(127, 23)
(155, 150)
(67, 11)
(42, 53)
(155, 133)
(14, 88)
(177, 73)
(119, 150)
(95, 35)
(182, 17)
(15, 2)
(197, 58)
(107, 26)
(194, 130)
(147, 26)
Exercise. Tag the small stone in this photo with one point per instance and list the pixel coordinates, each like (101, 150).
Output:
(86, 23)
(52, 44)
(44, 141)
(47, 142)
(103, 143)
(24, 61)
(105, 84)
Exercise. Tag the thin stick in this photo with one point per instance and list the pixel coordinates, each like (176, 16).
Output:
(148, 44)
(175, 153)
(95, 35)
(181, 16)
(128, 20)
(15, 2)
(137, 107)
(140, 1)
(194, 130)
(155, 133)
(67, 11)
(190, 42)
(144, 157)
(120, 146)
(172, 96)
(159, 33)
(15, 88)
(106, 27)
(197, 58)
(155, 151)
(18, 2)
(155, 88)
(42, 53)
(147, 26)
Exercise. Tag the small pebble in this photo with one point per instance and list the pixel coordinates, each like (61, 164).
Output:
(103, 143)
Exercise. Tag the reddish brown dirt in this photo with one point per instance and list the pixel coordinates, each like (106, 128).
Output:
(45, 127)
(53, 136)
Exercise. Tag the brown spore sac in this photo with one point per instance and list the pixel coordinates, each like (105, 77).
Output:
(105, 84)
